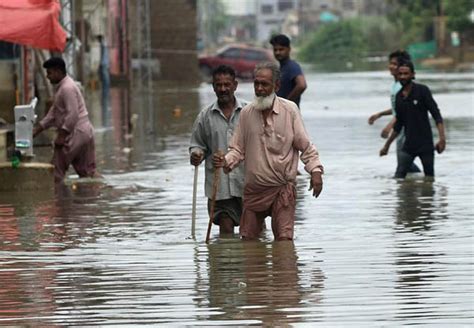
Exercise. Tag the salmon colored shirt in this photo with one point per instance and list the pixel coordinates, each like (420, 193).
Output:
(271, 150)
(69, 111)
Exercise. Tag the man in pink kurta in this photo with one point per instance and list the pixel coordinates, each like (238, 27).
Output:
(269, 137)
(74, 143)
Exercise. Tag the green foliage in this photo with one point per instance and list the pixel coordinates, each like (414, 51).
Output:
(413, 19)
(457, 13)
(379, 34)
(334, 43)
(345, 44)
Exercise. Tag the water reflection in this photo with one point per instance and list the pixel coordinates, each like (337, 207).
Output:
(419, 268)
(302, 184)
(260, 282)
(120, 117)
(27, 292)
(26, 284)
(394, 253)
(19, 230)
(174, 109)
(419, 205)
(36, 278)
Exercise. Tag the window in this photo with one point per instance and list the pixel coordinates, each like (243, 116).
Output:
(348, 4)
(9, 50)
(266, 9)
(285, 5)
(231, 53)
(254, 55)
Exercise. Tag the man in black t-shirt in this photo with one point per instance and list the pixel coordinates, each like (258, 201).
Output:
(412, 104)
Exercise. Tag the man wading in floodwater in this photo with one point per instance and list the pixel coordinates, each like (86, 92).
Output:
(393, 61)
(412, 105)
(269, 137)
(212, 131)
(74, 144)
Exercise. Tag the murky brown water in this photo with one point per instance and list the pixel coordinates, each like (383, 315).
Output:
(371, 251)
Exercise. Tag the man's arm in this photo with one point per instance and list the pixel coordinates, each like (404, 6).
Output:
(436, 114)
(37, 130)
(378, 115)
(300, 87)
(309, 154)
(386, 147)
(198, 146)
(71, 102)
(398, 124)
(386, 130)
(301, 142)
(47, 121)
(441, 145)
(236, 153)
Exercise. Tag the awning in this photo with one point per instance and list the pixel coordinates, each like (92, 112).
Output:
(32, 22)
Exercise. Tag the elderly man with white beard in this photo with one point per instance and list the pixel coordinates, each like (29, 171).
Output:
(269, 138)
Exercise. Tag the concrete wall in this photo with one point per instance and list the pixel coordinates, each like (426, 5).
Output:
(7, 90)
(28, 176)
(173, 38)
(3, 145)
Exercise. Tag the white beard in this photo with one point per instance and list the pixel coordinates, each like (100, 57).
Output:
(262, 103)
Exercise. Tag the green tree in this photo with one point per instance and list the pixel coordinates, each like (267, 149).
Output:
(380, 35)
(457, 13)
(346, 44)
(414, 19)
(335, 43)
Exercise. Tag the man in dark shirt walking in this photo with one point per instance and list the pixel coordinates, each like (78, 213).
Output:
(292, 81)
(412, 105)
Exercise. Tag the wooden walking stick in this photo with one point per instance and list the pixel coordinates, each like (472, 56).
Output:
(193, 213)
(215, 186)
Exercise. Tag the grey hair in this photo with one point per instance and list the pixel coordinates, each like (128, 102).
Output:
(272, 66)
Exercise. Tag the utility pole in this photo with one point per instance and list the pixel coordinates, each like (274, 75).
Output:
(144, 78)
(440, 28)
(67, 21)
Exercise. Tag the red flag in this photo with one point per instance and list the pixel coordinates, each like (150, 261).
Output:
(32, 22)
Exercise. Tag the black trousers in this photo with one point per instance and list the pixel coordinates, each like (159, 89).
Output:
(405, 161)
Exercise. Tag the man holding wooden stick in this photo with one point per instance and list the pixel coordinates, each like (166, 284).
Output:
(269, 138)
(212, 132)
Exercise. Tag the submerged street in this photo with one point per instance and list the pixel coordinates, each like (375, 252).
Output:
(370, 249)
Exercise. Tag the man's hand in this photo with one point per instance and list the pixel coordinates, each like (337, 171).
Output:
(218, 159)
(48, 104)
(441, 146)
(383, 151)
(316, 183)
(61, 138)
(373, 118)
(196, 157)
(386, 132)
(37, 130)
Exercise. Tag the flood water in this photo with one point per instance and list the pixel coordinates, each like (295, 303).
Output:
(370, 251)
